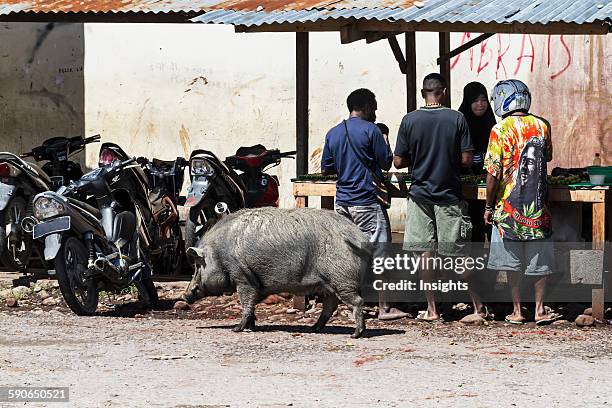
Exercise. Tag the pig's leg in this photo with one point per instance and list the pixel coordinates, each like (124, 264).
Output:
(330, 303)
(355, 301)
(248, 300)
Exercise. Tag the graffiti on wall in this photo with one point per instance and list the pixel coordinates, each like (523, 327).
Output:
(508, 55)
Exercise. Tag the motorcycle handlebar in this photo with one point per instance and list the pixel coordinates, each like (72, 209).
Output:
(289, 154)
(91, 139)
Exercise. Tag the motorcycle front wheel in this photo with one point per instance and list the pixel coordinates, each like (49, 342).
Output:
(15, 254)
(81, 295)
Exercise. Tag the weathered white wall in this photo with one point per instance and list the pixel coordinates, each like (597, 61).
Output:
(163, 90)
(41, 83)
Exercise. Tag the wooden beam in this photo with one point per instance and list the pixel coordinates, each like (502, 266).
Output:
(373, 36)
(445, 70)
(410, 71)
(397, 52)
(464, 47)
(301, 102)
(336, 25)
(351, 33)
(516, 28)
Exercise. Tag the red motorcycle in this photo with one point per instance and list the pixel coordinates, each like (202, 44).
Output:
(240, 181)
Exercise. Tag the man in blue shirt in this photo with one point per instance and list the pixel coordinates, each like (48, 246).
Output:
(355, 191)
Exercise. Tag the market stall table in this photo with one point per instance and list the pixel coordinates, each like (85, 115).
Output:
(597, 196)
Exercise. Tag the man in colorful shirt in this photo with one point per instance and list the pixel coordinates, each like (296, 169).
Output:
(517, 196)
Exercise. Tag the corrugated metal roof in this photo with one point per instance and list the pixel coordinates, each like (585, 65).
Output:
(258, 12)
(434, 11)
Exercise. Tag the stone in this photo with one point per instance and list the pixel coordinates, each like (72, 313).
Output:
(21, 291)
(273, 299)
(55, 285)
(473, 320)
(291, 311)
(588, 311)
(584, 321)
(43, 294)
(275, 318)
(50, 302)
(560, 322)
(6, 293)
(181, 305)
(12, 302)
(460, 306)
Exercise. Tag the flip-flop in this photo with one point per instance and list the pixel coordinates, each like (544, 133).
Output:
(517, 322)
(421, 317)
(486, 315)
(551, 318)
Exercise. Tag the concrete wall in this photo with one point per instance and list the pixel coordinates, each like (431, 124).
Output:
(163, 90)
(41, 83)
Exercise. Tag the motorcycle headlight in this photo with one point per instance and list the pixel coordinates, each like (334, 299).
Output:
(46, 208)
(200, 167)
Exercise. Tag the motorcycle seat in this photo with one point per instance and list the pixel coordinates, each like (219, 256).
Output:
(251, 151)
(40, 172)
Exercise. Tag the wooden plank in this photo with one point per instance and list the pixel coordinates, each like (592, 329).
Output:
(301, 102)
(410, 71)
(597, 303)
(518, 28)
(397, 52)
(464, 47)
(397, 26)
(445, 70)
(314, 189)
(599, 225)
(351, 33)
(327, 202)
(372, 37)
(562, 194)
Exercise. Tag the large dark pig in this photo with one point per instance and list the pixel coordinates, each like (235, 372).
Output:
(258, 252)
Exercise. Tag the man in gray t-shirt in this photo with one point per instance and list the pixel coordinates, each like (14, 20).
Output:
(435, 142)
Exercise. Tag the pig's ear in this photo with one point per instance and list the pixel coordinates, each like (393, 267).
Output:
(195, 253)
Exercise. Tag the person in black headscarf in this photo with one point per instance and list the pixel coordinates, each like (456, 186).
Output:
(480, 118)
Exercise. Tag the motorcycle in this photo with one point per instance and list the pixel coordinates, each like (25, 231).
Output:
(217, 188)
(166, 181)
(21, 180)
(103, 248)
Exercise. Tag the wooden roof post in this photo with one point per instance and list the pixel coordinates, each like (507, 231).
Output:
(411, 79)
(301, 102)
(444, 43)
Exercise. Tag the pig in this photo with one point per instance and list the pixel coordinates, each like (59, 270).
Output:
(263, 251)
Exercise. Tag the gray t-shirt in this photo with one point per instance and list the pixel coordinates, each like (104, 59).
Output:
(433, 140)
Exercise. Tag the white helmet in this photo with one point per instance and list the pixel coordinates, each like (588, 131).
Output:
(509, 96)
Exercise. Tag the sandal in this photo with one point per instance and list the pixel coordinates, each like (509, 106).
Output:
(511, 321)
(486, 315)
(548, 320)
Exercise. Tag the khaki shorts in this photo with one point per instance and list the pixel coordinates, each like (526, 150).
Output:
(446, 229)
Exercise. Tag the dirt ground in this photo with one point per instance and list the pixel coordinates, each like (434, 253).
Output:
(130, 357)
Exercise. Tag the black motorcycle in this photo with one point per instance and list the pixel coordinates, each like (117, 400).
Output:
(218, 188)
(103, 247)
(20, 181)
(166, 181)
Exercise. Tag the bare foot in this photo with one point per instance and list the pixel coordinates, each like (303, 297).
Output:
(392, 314)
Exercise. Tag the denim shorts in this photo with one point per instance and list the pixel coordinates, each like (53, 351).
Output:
(372, 220)
(535, 258)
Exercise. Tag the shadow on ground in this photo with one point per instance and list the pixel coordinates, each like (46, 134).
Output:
(343, 330)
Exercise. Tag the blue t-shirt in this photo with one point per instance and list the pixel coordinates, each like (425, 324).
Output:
(354, 185)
